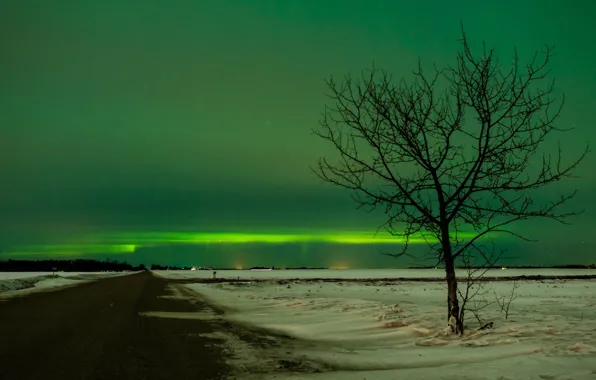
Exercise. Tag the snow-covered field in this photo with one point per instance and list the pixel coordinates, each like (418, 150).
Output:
(397, 331)
(19, 283)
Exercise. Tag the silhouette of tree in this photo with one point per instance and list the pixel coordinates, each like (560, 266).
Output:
(450, 157)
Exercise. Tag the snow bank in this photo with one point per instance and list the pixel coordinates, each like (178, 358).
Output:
(31, 281)
(398, 331)
(21, 275)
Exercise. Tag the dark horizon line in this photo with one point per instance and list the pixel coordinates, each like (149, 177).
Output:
(54, 265)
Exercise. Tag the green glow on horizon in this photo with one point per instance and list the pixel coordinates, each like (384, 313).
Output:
(73, 250)
(128, 242)
(336, 237)
(263, 238)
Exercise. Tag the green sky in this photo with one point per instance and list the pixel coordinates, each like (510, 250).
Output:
(138, 118)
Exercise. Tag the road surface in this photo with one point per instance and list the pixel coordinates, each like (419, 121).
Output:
(95, 331)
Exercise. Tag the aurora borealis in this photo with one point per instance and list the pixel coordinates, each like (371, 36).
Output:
(180, 132)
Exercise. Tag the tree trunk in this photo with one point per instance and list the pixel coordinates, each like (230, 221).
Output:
(453, 314)
(454, 319)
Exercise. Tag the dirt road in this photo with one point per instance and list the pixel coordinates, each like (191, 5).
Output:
(95, 331)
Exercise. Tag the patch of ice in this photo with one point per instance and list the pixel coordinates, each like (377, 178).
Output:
(179, 315)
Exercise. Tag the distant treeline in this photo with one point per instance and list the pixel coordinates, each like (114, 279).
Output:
(571, 266)
(79, 265)
(172, 267)
(168, 267)
(88, 265)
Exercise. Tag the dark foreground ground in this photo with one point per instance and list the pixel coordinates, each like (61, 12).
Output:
(94, 331)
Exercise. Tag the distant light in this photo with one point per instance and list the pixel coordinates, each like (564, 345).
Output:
(193, 268)
(339, 267)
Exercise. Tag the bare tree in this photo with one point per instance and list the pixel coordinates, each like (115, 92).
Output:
(451, 157)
